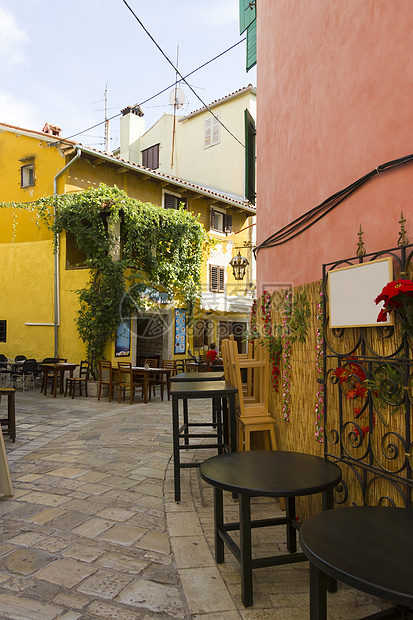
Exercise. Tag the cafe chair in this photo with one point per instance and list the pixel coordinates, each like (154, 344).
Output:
(25, 375)
(50, 373)
(5, 372)
(127, 381)
(169, 365)
(78, 382)
(105, 377)
(180, 366)
(154, 380)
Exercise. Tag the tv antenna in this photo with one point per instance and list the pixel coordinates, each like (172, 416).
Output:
(177, 98)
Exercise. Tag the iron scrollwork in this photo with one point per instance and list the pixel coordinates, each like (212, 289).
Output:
(368, 396)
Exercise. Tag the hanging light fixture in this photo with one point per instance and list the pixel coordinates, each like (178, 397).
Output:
(239, 264)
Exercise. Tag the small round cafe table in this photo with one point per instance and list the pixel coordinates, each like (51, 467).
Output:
(262, 473)
(369, 548)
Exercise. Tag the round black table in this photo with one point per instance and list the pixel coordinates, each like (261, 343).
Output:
(271, 474)
(369, 548)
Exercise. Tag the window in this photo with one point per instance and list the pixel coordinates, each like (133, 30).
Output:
(174, 201)
(212, 130)
(250, 133)
(74, 257)
(3, 331)
(150, 157)
(27, 175)
(220, 221)
(216, 278)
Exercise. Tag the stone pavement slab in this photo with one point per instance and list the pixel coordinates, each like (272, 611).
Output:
(93, 531)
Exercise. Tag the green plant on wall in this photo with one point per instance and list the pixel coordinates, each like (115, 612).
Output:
(162, 249)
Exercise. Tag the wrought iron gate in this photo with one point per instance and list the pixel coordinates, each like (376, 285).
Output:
(368, 397)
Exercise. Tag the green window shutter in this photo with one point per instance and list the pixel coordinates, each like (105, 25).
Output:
(250, 134)
(247, 14)
(252, 45)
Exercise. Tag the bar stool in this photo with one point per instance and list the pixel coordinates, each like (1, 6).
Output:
(10, 422)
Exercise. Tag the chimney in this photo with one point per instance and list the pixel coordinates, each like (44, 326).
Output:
(132, 127)
(52, 130)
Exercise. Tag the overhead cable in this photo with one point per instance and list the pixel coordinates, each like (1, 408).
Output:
(308, 219)
(156, 95)
(180, 75)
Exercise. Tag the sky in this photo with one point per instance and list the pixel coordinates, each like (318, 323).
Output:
(57, 59)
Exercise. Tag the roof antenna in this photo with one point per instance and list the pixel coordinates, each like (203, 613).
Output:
(106, 120)
(177, 100)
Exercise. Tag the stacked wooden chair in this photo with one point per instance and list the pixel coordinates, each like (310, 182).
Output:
(253, 415)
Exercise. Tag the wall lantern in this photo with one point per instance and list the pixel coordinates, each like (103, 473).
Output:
(239, 264)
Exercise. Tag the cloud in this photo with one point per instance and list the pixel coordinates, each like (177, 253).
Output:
(20, 113)
(12, 39)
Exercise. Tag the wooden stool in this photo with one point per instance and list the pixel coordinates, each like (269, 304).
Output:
(250, 424)
(10, 421)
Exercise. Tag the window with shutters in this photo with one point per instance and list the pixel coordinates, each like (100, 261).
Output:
(212, 130)
(216, 278)
(150, 157)
(221, 221)
(248, 22)
(174, 201)
(249, 176)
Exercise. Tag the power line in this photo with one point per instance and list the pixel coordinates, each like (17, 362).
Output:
(157, 94)
(180, 74)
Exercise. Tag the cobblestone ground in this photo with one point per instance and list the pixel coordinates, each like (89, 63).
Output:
(92, 530)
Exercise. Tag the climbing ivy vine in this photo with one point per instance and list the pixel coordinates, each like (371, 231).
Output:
(161, 250)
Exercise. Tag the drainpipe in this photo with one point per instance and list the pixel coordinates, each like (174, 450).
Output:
(57, 256)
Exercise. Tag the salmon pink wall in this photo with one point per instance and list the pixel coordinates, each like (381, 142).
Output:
(335, 93)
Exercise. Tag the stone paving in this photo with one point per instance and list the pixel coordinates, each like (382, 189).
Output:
(93, 531)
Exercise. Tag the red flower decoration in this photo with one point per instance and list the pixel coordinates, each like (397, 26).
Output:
(398, 296)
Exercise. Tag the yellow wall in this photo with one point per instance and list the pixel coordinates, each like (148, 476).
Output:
(26, 251)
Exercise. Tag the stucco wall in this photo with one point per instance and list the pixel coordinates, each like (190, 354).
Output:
(335, 83)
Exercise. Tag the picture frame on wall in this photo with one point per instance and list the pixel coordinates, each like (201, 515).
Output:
(352, 291)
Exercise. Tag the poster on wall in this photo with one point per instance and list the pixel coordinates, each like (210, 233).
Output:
(180, 331)
(122, 343)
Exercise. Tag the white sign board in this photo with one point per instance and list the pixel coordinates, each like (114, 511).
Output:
(352, 291)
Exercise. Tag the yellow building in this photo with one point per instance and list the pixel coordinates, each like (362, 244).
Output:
(39, 302)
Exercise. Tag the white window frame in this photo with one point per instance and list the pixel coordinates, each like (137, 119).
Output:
(223, 213)
(24, 175)
(212, 130)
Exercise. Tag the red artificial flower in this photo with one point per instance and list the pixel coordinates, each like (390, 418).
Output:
(341, 374)
(392, 290)
(382, 318)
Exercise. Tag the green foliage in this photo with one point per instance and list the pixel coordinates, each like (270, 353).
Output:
(300, 314)
(161, 249)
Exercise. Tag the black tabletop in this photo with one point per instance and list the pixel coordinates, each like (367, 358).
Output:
(198, 376)
(270, 473)
(200, 389)
(367, 547)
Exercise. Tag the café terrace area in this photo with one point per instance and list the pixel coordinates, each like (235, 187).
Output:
(93, 529)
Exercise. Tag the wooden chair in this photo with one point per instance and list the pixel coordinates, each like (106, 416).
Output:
(105, 377)
(180, 366)
(78, 382)
(154, 380)
(127, 381)
(169, 365)
(252, 416)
